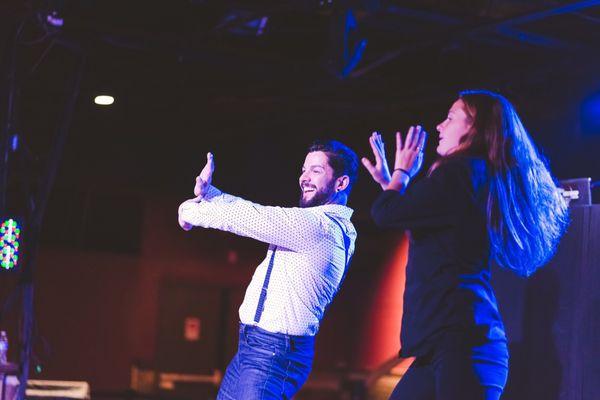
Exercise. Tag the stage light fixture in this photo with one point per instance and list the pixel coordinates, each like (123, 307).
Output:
(53, 18)
(590, 115)
(104, 100)
(10, 234)
(14, 142)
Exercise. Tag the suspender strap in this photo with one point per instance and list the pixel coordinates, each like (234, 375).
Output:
(346, 239)
(265, 287)
(263, 293)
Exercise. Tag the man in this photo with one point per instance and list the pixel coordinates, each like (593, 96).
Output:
(309, 250)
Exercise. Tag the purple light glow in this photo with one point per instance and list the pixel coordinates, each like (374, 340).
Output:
(54, 20)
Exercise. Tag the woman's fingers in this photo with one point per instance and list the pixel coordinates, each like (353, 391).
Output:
(415, 139)
(377, 147)
(376, 152)
(379, 144)
(368, 165)
(410, 138)
(398, 142)
(422, 139)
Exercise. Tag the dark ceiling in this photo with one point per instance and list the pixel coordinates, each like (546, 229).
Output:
(256, 81)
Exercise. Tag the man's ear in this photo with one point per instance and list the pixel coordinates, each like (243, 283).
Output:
(342, 183)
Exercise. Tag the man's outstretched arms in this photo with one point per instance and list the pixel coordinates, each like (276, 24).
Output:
(292, 228)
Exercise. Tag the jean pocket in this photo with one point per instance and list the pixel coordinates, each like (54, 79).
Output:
(262, 345)
(260, 350)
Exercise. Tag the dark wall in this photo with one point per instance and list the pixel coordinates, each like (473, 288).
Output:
(99, 312)
(552, 319)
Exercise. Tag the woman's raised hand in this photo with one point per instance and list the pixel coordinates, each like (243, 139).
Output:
(380, 171)
(409, 157)
(408, 160)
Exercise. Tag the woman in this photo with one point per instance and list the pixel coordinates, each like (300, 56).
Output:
(489, 197)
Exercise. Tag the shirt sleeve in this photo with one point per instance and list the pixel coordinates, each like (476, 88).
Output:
(297, 229)
(433, 201)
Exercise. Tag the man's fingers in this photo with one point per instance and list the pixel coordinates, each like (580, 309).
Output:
(207, 171)
(199, 186)
(210, 161)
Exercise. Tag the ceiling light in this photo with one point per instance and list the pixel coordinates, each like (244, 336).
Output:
(104, 100)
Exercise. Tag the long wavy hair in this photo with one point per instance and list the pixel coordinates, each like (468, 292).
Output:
(526, 215)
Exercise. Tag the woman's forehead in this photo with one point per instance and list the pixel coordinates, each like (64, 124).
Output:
(458, 105)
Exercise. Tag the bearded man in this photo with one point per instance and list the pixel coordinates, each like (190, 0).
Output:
(309, 251)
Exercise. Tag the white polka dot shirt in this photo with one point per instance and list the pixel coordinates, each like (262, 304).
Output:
(312, 248)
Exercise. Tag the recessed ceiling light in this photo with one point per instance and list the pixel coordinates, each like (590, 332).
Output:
(104, 100)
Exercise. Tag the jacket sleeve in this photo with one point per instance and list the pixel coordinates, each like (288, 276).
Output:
(435, 201)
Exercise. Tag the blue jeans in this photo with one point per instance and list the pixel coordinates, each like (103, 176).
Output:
(267, 365)
(456, 370)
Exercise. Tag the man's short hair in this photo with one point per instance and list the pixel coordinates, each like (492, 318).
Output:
(342, 159)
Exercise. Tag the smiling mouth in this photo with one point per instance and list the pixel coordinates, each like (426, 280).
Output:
(307, 190)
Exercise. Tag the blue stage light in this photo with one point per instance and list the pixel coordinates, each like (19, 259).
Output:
(590, 115)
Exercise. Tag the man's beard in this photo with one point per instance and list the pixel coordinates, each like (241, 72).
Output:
(320, 197)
